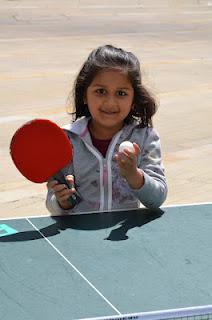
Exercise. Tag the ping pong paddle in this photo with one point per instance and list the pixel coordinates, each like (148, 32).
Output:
(39, 150)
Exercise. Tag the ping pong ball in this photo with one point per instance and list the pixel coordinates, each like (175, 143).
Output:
(126, 145)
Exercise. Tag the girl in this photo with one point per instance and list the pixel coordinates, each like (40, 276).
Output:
(111, 106)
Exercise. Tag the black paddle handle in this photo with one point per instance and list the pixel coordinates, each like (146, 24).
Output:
(75, 197)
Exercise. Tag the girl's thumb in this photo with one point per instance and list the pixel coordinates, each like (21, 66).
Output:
(70, 180)
(137, 149)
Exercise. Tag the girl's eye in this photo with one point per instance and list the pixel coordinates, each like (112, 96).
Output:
(101, 91)
(121, 93)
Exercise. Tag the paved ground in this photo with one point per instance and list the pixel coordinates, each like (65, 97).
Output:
(42, 46)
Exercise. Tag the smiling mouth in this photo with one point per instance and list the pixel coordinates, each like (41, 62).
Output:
(108, 112)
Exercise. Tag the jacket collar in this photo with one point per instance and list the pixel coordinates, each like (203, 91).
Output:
(80, 127)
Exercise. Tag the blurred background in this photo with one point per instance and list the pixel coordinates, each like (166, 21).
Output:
(44, 43)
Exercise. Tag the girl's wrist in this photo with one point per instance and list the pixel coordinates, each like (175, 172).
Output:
(65, 205)
(137, 180)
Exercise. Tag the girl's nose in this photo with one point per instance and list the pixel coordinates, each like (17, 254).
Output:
(111, 101)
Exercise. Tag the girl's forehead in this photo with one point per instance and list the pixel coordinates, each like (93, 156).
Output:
(117, 76)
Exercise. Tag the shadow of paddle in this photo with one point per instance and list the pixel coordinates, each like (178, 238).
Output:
(120, 222)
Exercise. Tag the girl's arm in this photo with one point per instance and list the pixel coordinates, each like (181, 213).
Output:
(154, 190)
(146, 178)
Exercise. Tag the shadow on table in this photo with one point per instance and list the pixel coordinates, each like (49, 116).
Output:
(122, 221)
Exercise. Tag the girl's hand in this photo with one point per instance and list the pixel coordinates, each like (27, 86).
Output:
(62, 193)
(127, 161)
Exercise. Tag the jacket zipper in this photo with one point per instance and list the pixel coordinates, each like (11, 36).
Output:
(102, 168)
(105, 172)
(109, 169)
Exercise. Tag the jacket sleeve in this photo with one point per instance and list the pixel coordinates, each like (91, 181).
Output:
(154, 191)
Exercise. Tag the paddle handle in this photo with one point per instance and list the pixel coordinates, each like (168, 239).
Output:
(75, 197)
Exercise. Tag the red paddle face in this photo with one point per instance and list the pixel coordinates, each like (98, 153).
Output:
(39, 149)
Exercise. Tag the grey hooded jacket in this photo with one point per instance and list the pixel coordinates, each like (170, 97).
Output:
(97, 179)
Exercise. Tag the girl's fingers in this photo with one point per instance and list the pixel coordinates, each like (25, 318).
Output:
(63, 198)
(55, 186)
(70, 180)
(59, 187)
(64, 194)
(126, 158)
(51, 184)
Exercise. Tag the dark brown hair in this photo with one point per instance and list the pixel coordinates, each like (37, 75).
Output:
(109, 57)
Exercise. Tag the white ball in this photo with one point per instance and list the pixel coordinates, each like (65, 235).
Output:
(126, 145)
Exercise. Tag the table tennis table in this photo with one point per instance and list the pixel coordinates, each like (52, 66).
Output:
(104, 264)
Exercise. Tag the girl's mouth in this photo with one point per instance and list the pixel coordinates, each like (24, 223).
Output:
(108, 112)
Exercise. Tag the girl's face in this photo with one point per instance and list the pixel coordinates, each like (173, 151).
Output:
(109, 98)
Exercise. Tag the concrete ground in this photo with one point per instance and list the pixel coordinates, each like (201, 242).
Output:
(42, 46)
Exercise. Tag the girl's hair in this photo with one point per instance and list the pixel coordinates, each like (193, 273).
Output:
(109, 57)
